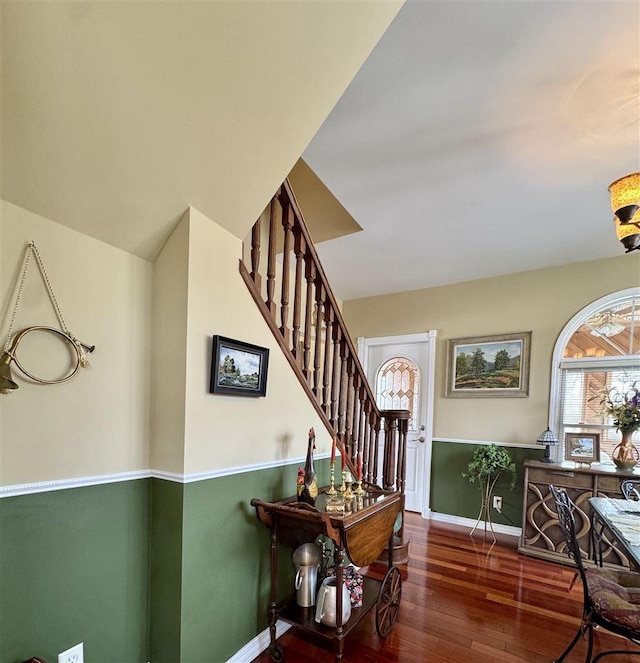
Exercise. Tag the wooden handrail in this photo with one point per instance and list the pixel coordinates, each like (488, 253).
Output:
(314, 338)
(334, 304)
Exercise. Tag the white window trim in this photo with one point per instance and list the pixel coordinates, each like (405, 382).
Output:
(557, 361)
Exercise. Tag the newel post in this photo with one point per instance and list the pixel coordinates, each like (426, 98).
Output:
(395, 449)
(394, 468)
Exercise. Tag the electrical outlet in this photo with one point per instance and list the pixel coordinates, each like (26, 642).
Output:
(497, 503)
(73, 655)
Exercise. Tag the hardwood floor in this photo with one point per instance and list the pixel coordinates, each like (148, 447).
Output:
(465, 601)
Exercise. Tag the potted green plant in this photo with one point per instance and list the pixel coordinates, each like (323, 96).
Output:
(487, 464)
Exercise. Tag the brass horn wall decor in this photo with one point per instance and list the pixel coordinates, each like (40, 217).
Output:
(7, 384)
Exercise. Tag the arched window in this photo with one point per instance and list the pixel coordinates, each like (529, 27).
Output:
(398, 386)
(598, 349)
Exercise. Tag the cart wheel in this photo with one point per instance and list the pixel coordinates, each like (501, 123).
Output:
(388, 602)
(276, 654)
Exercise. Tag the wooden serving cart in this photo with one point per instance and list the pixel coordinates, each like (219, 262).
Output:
(361, 532)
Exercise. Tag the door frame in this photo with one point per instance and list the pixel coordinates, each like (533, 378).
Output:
(429, 384)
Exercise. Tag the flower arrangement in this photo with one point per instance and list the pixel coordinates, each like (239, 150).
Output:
(623, 404)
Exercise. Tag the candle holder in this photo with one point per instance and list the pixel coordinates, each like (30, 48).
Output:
(359, 489)
(332, 489)
(343, 487)
(335, 504)
(346, 482)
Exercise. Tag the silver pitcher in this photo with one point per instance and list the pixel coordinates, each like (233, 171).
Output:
(326, 609)
(307, 559)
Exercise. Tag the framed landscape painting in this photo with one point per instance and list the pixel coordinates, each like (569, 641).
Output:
(238, 368)
(489, 366)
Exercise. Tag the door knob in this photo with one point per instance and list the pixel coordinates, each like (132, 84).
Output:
(421, 438)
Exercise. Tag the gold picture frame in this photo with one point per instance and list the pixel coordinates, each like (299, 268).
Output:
(489, 366)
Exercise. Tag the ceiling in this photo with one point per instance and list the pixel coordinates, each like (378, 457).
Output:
(117, 116)
(477, 139)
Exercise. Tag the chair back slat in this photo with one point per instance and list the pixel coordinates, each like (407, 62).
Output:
(564, 509)
(631, 489)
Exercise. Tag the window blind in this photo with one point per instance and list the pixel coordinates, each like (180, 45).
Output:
(579, 392)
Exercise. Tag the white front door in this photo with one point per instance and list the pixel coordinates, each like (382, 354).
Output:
(413, 352)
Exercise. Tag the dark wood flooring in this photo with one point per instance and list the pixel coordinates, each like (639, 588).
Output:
(465, 601)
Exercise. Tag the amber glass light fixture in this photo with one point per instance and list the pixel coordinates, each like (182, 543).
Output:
(629, 233)
(625, 197)
(625, 203)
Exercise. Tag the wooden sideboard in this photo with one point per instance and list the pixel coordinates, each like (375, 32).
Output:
(541, 534)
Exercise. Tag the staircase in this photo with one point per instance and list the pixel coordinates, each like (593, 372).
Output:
(289, 286)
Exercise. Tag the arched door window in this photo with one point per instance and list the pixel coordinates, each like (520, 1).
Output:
(598, 349)
(398, 387)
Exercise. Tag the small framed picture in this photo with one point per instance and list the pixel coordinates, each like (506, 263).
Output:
(238, 368)
(582, 447)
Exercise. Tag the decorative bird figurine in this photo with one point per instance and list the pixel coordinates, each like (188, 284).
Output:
(309, 490)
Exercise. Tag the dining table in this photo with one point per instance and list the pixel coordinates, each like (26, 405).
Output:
(622, 518)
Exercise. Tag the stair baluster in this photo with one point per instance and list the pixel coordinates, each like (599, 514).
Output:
(317, 344)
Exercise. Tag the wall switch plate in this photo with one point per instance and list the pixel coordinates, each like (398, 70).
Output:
(497, 503)
(73, 655)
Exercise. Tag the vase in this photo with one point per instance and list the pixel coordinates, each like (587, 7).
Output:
(625, 455)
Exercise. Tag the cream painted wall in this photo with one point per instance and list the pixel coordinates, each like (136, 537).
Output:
(227, 431)
(541, 301)
(324, 215)
(159, 101)
(149, 376)
(98, 422)
(169, 350)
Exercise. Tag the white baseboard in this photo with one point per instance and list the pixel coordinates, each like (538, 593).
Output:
(469, 522)
(255, 647)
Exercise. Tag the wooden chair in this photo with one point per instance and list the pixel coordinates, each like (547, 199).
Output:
(611, 596)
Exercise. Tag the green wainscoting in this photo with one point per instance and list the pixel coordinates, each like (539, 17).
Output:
(165, 591)
(74, 568)
(226, 563)
(210, 564)
(452, 494)
(156, 570)
(142, 570)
